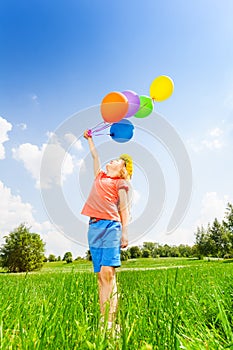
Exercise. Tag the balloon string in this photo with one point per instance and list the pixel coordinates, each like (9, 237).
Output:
(101, 123)
(98, 125)
(100, 129)
(102, 134)
(103, 127)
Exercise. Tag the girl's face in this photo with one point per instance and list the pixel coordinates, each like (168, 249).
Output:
(115, 165)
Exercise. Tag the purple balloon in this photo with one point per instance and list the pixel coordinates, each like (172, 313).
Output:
(134, 102)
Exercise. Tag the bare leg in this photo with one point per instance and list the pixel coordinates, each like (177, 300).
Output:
(108, 291)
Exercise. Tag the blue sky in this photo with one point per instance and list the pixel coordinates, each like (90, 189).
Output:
(59, 57)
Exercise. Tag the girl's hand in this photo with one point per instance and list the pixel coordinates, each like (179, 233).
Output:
(124, 240)
(87, 134)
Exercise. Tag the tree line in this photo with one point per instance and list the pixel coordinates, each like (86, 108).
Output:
(68, 258)
(217, 239)
(153, 250)
(25, 251)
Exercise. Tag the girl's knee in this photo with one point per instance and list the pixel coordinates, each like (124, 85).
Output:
(106, 274)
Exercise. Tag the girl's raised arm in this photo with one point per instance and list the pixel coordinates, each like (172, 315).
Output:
(95, 156)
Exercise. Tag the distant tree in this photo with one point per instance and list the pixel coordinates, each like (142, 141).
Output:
(135, 252)
(78, 258)
(228, 220)
(217, 239)
(194, 251)
(45, 259)
(52, 258)
(88, 255)
(228, 224)
(58, 258)
(174, 252)
(185, 250)
(23, 251)
(164, 251)
(151, 246)
(68, 257)
(219, 235)
(146, 253)
(125, 255)
(204, 243)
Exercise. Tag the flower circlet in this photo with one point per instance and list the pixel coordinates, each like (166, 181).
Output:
(128, 163)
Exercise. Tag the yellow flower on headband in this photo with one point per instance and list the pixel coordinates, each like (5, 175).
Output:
(128, 163)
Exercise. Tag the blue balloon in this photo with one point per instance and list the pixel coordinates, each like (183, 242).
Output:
(122, 131)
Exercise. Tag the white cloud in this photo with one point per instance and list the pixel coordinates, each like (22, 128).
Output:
(72, 140)
(59, 164)
(51, 136)
(216, 132)
(212, 144)
(212, 207)
(58, 244)
(13, 212)
(5, 127)
(180, 236)
(35, 99)
(22, 126)
(30, 155)
(214, 139)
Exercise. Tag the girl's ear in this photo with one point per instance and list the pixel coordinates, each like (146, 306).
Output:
(124, 174)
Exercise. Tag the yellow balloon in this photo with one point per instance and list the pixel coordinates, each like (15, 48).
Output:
(161, 88)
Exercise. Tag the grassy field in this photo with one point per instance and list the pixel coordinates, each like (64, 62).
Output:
(164, 304)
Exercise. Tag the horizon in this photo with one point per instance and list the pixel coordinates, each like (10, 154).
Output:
(59, 60)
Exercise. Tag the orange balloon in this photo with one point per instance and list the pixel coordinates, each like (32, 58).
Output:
(114, 107)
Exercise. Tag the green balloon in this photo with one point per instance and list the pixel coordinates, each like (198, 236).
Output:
(146, 107)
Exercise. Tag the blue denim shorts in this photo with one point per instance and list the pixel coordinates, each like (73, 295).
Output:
(104, 238)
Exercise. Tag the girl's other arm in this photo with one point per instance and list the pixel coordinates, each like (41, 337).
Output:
(124, 214)
(95, 156)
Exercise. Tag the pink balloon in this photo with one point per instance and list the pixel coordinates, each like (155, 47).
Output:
(134, 102)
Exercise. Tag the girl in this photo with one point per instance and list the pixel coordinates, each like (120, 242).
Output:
(108, 209)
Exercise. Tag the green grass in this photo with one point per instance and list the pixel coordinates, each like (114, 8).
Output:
(166, 308)
(61, 266)
(146, 263)
(161, 262)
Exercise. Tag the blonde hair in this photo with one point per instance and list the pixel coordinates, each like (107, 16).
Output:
(124, 174)
(127, 171)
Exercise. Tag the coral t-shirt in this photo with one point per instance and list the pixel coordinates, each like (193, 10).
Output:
(103, 199)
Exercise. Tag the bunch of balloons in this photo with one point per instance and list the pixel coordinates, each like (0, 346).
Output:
(117, 107)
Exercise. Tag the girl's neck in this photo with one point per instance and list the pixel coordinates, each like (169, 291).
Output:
(112, 173)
